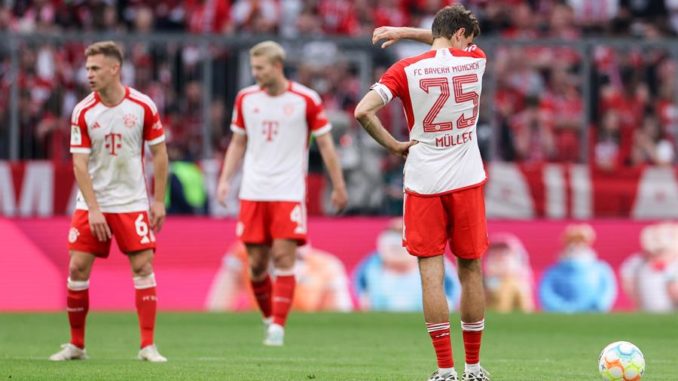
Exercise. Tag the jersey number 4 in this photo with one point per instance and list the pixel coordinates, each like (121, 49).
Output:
(459, 96)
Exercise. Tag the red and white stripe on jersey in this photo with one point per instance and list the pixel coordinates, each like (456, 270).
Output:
(80, 141)
(238, 121)
(153, 131)
(278, 130)
(440, 92)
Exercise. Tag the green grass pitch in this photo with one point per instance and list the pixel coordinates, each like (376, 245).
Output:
(359, 346)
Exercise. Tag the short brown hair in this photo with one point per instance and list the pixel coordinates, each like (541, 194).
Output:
(270, 49)
(449, 19)
(106, 48)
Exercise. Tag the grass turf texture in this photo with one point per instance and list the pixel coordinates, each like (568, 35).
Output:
(361, 346)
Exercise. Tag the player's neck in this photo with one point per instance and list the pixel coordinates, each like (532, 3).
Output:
(278, 87)
(112, 95)
(441, 43)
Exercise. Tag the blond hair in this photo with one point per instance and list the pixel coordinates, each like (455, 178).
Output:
(107, 49)
(269, 49)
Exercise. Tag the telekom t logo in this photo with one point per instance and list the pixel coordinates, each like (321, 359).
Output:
(113, 143)
(270, 129)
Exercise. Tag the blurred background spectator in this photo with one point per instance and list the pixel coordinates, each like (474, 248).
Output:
(579, 281)
(534, 111)
(650, 277)
(388, 278)
(508, 277)
(322, 282)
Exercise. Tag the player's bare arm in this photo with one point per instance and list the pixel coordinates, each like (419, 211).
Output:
(234, 154)
(391, 34)
(160, 167)
(97, 221)
(329, 154)
(366, 114)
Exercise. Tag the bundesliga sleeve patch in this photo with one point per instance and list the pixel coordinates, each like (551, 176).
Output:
(76, 136)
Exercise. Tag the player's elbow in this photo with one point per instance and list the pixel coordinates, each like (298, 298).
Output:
(361, 113)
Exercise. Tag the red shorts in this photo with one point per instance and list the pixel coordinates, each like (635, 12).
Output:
(260, 222)
(458, 217)
(132, 232)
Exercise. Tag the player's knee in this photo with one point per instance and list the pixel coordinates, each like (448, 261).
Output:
(283, 260)
(258, 269)
(142, 269)
(469, 268)
(78, 271)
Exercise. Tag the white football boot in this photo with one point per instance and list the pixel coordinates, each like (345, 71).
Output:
(482, 375)
(448, 377)
(275, 336)
(150, 353)
(69, 352)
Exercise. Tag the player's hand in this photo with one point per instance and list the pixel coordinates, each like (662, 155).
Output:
(98, 225)
(157, 215)
(222, 192)
(339, 198)
(403, 148)
(390, 34)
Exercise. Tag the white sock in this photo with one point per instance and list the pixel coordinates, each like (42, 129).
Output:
(446, 371)
(472, 368)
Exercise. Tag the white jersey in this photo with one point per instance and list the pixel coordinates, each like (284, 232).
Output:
(440, 92)
(278, 130)
(114, 138)
(652, 282)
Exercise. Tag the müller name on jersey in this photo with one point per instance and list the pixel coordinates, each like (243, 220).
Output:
(451, 140)
(447, 69)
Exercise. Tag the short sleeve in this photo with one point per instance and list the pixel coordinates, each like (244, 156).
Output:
(80, 141)
(391, 84)
(317, 118)
(237, 121)
(153, 130)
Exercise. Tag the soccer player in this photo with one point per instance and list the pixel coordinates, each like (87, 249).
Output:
(443, 174)
(272, 124)
(108, 131)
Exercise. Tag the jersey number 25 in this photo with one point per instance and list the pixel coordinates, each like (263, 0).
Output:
(459, 96)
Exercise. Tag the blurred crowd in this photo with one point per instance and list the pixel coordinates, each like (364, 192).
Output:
(538, 90)
(578, 280)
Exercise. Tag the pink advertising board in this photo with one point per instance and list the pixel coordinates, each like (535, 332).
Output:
(34, 259)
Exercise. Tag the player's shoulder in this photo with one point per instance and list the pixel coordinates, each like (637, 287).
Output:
(139, 97)
(89, 100)
(86, 103)
(247, 91)
(472, 51)
(407, 61)
(304, 91)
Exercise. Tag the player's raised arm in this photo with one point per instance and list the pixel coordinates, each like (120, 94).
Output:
(160, 169)
(366, 114)
(392, 34)
(331, 160)
(232, 158)
(97, 221)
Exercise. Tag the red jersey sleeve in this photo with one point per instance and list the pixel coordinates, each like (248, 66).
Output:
(316, 117)
(80, 141)
(153, 130)
(238, 121)
(392, 84)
